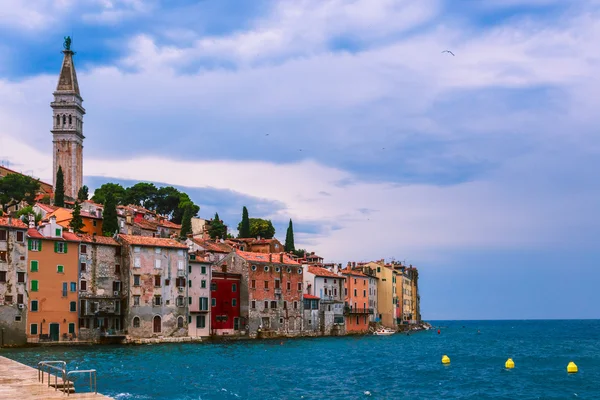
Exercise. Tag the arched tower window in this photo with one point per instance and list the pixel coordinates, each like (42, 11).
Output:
(57, 120)
(70, 120)
(64, 119)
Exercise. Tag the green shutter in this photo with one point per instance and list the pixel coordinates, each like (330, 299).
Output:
(57, 232)
(34, 286)
(39, 245)
(71, 328)
(34, 305)
(65, 247)
(34, 266)
(29, 244)
(56, 247)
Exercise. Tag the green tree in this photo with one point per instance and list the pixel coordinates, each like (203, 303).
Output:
(24, 212)
(16, 188)
(261, 227)
(300, 252)
(167, 201)
(244, 227)
(110, 224)
(142, 194)
(289, 238)
(83, 193)
(184, 202)
(45, 199)
(186, 223)
(59, 190)
(76, 222)
(116, 190)
(217, 229)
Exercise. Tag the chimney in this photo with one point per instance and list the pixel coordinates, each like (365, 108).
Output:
(281, 258)
(9, 220)
(31, 220)
(270, 257)
(258, 237)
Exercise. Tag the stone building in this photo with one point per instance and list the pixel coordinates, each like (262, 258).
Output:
(102, 295)
(270, 293)
(328, 286)
(199, 299)
(53, 257)
(156, 280)
(312, 318)
(139, 221)
(13, 282)
(215, 250)
(67, 129)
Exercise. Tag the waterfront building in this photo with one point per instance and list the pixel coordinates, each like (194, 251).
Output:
(356, 310)
(413, 273)
(371, 273)
(156, 278)
(13, 282)
(386, 298)
(102, 295)
(199, 299)
(67, 127)
(225, 303)
(53, 258)
(328, 286)
(271, 292)
(312, 315)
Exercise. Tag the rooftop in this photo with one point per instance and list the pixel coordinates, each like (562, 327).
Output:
(14, 223)
(151, 242)
(98, 239)
(264, 257)
(318, 271)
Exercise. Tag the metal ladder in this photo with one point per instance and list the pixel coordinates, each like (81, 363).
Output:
(58, 369)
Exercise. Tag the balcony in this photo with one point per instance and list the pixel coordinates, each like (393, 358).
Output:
(351, 310)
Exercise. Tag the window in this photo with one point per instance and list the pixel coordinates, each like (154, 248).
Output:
(72, 327)
(295, 305)
(117, 268)
(355, 293)
(285, 305)
(33, 329)
(72, 306)
(180, 302)
(189, 319)
(266, 305)
(33, 266)
(83, 249)
(180, 322)
(203, 269)
(94, 222)
(3, 255)
(300, 271)
(136, 280)
(136, 322)
(355, 281)
(34, 305)
(273, 304)
(60, 269)
(3, 235)
(300, 286)
(157, 300)
(136, 262)
(82, 266)
(180, 253)
(254, 268)
(34, 286)
(156, 280)
(289, 270)
(203, 303)
(8, 299)
(136, 249)
(364, 293)
(136, 300)
(20, 236)
(253, 304)
(277, 284)
(201, 321)
(190, 283)
(335, 281)
(180, 265)
(60, 247)
(83, 286)
(213, 302)
(213, 286)
(253, 284)
(234, 302)
(234, 287)
(19, 299)
(378, 269)
(17, 318)
(277, 269)
(289, 285)
(190, 301)
(157, 264)
(157, 250)
(325, 280)
(266, 268)
(64, 289)
(73, 286)
(267, 285)
(34, 245)
(116, 286)
(345, 291)
(335, 291)
(2, 276)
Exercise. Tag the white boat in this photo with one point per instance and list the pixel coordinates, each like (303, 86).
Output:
(383, 332)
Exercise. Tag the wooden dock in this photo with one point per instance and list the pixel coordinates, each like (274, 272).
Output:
(19, 381)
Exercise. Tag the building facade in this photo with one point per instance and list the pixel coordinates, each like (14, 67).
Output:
(156, 278)
(225, 303)
(356, 307)
(199, 276)
(328, 286)
(67, 127)
(53, 258)
(13, 282)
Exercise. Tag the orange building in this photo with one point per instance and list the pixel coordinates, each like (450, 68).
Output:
(53, 256)
(356, 310)
(92, 221)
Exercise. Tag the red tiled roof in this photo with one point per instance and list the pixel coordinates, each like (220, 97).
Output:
(98, 239)
(311, 297)
(264, 257)
(47, 207)
(318, 271)
(145, 224)
(212, 246)
(71, 237)
(169, 224)
(68, 236)
(354, 273)
(34, 234)
(14, 223)
(152, 242)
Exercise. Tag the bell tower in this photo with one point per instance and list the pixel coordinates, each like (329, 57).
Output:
(67, 126)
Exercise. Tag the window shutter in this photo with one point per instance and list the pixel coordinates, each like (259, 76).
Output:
(56, 247)
(65, 247)
(39, 245)
(29, 244)
(34, 286)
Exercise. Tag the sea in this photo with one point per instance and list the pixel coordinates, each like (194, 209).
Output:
(401, 366)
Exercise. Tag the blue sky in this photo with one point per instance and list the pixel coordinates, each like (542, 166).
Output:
(346, 117)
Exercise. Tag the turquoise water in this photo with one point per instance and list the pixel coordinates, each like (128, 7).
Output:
(392, 367)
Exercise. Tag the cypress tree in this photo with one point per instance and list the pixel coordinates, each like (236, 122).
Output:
(83, 193)
(245, 225)
(289, 238)
(186, 222)
(110, 225)
(59, 190)
(76, 222)
(217, 229)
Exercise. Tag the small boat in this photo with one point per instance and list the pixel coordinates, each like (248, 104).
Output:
(383, 332)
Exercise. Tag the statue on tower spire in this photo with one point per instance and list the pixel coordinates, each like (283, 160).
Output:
(67, 43)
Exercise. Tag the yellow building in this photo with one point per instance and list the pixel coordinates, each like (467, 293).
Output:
(386, 292)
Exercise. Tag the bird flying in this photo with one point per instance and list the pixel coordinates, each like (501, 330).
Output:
(448, 51)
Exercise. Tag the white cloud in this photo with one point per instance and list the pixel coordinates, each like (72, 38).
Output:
(32, 15)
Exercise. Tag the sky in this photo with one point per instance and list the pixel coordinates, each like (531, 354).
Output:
(347, 117)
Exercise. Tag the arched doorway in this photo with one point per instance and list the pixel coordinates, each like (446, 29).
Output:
(156, 324)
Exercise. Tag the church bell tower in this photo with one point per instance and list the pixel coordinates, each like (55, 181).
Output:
(67, 123)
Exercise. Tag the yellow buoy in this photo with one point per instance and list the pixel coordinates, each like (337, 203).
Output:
(572, 368)
(445, 359)
(509, 364)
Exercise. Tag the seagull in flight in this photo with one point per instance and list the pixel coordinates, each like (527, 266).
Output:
(448, 51)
